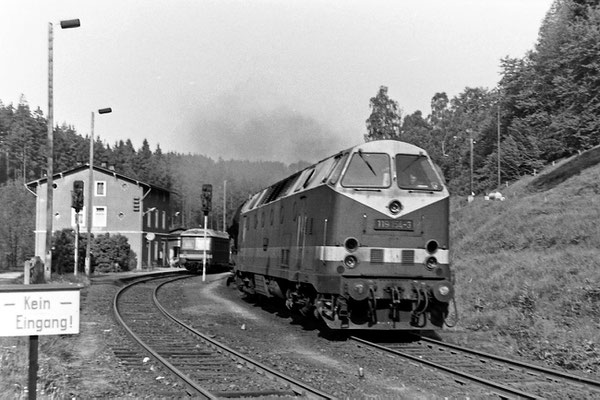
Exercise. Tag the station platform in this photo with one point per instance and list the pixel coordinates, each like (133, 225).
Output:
(9, 276)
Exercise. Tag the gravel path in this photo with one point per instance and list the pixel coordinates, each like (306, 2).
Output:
(340, 367)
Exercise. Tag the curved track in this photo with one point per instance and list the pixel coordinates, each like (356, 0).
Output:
(207, 368)
(505, 377)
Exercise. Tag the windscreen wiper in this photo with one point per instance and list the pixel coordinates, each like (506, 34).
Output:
(366, 162)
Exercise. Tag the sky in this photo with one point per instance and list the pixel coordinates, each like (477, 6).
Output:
(283, 80)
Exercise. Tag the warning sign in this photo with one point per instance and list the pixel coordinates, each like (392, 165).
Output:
(27, 310)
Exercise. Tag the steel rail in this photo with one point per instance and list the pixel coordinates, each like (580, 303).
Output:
(297, 386)
(191, 385)
(537, 368)
(503, 389)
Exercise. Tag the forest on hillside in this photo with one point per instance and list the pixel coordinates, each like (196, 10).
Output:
(545, 107)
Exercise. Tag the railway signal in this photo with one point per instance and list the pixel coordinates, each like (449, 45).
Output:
(206, 198)
(206, 206)
(77, 196)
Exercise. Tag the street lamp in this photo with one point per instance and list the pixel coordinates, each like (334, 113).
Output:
(91, 193)
(66, 24)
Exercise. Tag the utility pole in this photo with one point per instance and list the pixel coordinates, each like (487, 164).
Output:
(471, 163)
(66, 24)
(224, 205)
(90, 215)
(499, 179)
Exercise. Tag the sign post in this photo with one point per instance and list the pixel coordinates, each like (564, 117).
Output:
(34, 310)
(206, 206)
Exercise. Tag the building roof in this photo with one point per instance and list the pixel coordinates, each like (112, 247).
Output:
(105, 171)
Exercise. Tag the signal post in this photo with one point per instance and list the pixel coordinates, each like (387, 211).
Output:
(206, 206)
(77, 204)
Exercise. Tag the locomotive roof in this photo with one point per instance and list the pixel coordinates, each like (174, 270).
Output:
(403, 147)
(300, 180)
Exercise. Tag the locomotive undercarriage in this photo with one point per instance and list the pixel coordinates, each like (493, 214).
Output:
(298, 297)
(400, 305)
(399, 310)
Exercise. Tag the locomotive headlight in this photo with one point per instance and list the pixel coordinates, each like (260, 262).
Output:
(350, 262)
(351, 244)
(432, 246)
(395, 207)
(431, 263)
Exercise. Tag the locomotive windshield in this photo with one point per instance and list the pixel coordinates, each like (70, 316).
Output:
(416, 172)
(368, 170)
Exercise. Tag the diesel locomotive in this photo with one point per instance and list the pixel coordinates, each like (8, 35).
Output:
(193, 244)
(360, 239)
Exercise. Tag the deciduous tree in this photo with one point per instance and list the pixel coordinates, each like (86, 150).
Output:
(385, 119)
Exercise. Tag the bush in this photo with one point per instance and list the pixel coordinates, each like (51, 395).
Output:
(108, 253)
(113, 253)
(63, 260)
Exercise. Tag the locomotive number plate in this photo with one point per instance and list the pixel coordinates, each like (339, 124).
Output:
(393, 225)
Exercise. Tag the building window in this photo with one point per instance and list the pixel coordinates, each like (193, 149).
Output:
(164, 220)
(101, 188)
(156, 218)
(99, 217)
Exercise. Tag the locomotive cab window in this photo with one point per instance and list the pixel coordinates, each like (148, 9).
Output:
(337, 169)
(368, 170)
(415, 172)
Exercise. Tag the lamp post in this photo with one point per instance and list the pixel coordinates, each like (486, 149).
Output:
(91, 193)
(66, 24)
(470, 132)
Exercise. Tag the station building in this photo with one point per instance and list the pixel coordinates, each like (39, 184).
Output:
(120, 205)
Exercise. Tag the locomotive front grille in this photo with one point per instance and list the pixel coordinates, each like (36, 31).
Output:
(408, 257)
(376, 256)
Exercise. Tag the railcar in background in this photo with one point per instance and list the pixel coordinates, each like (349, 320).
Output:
(193, 244)
(360, 239)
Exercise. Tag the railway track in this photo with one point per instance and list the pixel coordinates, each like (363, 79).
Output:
(505, 377)
(206, 368)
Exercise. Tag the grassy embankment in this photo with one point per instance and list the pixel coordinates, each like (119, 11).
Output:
(528, 268)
